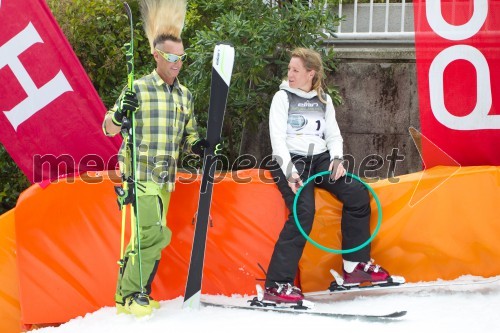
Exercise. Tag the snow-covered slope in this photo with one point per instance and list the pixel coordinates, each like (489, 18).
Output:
(431, 309)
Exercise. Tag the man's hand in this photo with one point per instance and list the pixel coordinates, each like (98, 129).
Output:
(127, 104)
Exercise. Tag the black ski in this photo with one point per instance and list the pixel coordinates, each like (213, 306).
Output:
(308, 311)
(222, 67)
(127, 193)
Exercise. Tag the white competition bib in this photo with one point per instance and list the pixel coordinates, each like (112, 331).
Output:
(305, 116)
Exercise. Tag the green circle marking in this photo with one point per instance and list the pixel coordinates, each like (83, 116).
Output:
(327, 249)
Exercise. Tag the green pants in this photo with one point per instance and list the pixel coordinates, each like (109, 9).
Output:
(153, 202)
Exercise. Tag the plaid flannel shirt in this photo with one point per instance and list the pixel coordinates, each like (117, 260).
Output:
(164, 122)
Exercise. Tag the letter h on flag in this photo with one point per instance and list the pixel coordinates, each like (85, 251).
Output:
(48, 105)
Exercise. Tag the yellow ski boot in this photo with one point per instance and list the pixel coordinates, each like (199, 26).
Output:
(137, 305)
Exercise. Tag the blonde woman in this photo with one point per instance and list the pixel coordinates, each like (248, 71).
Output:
(306, 140)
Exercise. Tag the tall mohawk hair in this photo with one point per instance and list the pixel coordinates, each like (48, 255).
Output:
(163, 20)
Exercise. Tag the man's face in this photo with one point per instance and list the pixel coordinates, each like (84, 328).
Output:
(168, 71)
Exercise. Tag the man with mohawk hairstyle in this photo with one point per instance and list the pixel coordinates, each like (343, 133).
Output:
(164, 122)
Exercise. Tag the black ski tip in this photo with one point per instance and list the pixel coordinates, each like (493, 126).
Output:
(127, 9)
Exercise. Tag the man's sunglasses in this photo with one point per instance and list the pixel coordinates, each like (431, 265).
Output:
(172, 57)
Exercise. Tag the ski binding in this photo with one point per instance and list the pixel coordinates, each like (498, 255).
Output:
(338, 283)
(260, 302)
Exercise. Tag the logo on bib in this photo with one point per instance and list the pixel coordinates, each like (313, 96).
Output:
(297, 121)
(307, 104)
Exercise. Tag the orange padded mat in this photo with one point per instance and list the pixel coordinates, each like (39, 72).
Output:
(441, 223)
(10, 311)
(437, 224)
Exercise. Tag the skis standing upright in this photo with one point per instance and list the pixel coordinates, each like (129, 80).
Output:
(128, 193)
(222, 67)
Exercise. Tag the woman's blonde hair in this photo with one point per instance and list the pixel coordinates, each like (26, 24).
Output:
(312, 61)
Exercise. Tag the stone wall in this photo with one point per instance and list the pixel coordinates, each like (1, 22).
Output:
(378, 85)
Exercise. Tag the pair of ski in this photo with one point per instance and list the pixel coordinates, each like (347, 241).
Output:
(301, 307)
(307, 306)
(299, 310)
(337, 291)
(128, 193)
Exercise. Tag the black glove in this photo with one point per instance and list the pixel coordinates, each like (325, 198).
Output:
(199, 147)
(127, 104)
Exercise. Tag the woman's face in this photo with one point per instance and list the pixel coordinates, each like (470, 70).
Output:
(298, 76)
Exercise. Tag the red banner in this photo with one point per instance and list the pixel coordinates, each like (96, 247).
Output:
(50, 114)
(458, 66)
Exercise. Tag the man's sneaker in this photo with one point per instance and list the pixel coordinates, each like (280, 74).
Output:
(137, 304)
(283, 293)
(366, 272)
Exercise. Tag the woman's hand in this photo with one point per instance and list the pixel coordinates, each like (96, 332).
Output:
(337, 169)
(295, 182)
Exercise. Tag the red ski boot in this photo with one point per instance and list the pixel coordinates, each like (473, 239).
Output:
(367, 272)
(283, 293)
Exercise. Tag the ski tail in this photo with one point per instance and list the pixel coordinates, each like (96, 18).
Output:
(222, 67)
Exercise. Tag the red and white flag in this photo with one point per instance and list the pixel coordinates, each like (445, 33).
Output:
(50, 113)
(458, 65)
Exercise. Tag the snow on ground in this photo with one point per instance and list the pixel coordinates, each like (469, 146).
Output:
(430, 309)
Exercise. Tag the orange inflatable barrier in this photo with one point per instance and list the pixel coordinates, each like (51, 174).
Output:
(441, 223)
(68, 237)
(10, 310)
